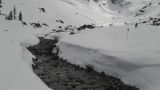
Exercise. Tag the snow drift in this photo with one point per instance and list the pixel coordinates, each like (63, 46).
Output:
(130, 55)
(16, 60)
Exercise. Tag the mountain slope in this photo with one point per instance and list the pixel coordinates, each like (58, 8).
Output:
(73, 12)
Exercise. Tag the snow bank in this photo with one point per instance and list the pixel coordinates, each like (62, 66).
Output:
(130, 55)
(15, 59)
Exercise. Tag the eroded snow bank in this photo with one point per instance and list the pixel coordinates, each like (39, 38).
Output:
(133, 56)
(15, 59)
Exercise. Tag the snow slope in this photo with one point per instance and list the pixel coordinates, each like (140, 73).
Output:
(73, 12)
(142, 11)
(16, 60)
(131, 55)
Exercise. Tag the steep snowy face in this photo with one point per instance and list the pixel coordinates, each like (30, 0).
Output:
(122, 5)
(108, 11)
(74, 12)
(71, 11)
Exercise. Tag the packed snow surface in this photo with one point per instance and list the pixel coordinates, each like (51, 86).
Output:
(133, 56)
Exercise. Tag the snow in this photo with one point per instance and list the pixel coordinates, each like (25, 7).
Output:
(80, 12)
(130, 55)
(16, 60)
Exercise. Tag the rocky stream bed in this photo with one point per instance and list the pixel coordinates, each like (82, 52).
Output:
(59, 74)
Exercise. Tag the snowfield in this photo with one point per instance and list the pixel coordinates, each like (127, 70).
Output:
(130, 55)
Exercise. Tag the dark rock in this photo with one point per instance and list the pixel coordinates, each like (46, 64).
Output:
(86, 26)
